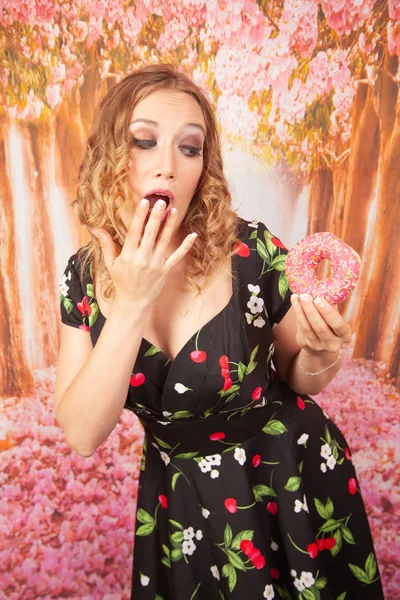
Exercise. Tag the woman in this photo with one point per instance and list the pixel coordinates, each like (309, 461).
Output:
(247, 489)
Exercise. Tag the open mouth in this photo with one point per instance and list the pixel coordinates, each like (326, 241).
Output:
(152, 198)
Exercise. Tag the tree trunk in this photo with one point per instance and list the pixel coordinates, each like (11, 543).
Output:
(15, 374)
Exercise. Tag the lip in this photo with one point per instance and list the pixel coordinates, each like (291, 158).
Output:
(166, 192)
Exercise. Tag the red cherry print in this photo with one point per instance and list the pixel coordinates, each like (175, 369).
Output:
(84, 307)
(224, 362)
(163, 500)
(227, 384)
(256, 395)
(256, 460)
(278, 243)
(138, 379)
(198, 356)
(274, 573)
(320, 544)
(259, 562)
(246, 546)
(272, 507)
(84, 327)
(254, 554)
(330, 543)
(241, 249)
(218, 435)
(347, 453)
(230, 505)
(300, 403)
(352, 486)
(312, 550)
(225, 373)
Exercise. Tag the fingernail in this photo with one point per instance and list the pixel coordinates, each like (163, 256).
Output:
(319, 302)
(160, 205)
(173, 212)
(193, 236)
(144, 202)
(295, 299)
(305, 298)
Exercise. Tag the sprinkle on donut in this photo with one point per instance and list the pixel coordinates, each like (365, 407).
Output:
(303, 259)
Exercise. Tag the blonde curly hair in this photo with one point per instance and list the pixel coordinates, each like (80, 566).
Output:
(103, 190)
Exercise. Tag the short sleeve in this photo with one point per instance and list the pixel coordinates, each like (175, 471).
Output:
(74, 305)
(271, 260)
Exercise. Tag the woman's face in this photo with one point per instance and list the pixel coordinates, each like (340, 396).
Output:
(168, 130)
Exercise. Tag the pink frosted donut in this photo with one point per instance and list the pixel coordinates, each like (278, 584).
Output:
(302, 261)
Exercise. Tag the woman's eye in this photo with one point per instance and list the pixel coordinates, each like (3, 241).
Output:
(192, 150)
(143, 143)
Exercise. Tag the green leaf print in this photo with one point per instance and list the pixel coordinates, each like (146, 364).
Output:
(283, 592)
(228, 535)
(251, 367)
(68, 304)
(347, 535)
(326, 512)
(177, 537)
(94, 314)
(262, 251)
(158, 597)
(233, 389)
(144, 517)
(279, 263)
(321, 583)
(229, 572)
(293, 484)
(166, 550)
(242, 370)
(146, 529)
(327, 435)
(176, 554)
(90, 290)
(262, 490)
(187, 455)
(283, 285)
(359, 574)
(339, 542)
(247, 534)
(162, 443)
(370, 566)
(253, 354)
(181, 414)
(178, 525)
(152, 350)
(253, 235)
(269, 245)
(235, 560)
(166, 561)
(330, 525)
(174, 480)
(342, 596)
(308, 594)
(274, 427)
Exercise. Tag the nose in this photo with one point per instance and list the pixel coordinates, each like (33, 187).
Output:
(166, 165)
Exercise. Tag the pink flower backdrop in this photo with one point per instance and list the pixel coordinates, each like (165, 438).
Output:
(310, 90)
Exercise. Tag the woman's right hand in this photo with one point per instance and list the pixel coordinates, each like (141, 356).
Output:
(139, 271)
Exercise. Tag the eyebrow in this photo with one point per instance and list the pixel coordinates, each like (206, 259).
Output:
(150, 122)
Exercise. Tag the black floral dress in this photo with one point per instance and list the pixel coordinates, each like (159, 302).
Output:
(247, 489)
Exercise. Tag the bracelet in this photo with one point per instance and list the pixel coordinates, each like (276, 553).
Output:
(319, 372)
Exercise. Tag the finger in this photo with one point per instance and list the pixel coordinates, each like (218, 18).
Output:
(108, 247)
(333, 318)
(152, 226)
(181, 251)
(165, 235)
(302, 320)
(135, 228)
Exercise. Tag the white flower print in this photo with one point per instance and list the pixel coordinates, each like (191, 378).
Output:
(325, 415)
(299, 585)
(303, 439)
(205, 513)
(62, 286)
(307, 579)
(199, 534)
(188, 534)
(254, 224)
(214, 474)
(293, 573)
(166, 413)
(305, 505)
(259, 322)
(240, 455)
(331, 462)
(144, 580)
(188, 547)
(262, 403)
(181, 389)
(255, 289)
(326, 451)
(164, 422)
(298, 505)
(165, 457)
(215, 572)
(274, 546)
(323, 467)
(269, 592)
(204, 465)
(255, 305)
(214, 459)
(249, 318)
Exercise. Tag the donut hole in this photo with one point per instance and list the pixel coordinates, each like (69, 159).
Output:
(323, 270)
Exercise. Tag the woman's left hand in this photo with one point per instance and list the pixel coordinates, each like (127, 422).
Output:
(319, 328)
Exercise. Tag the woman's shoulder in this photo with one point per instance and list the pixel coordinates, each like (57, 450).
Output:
(250, 229)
